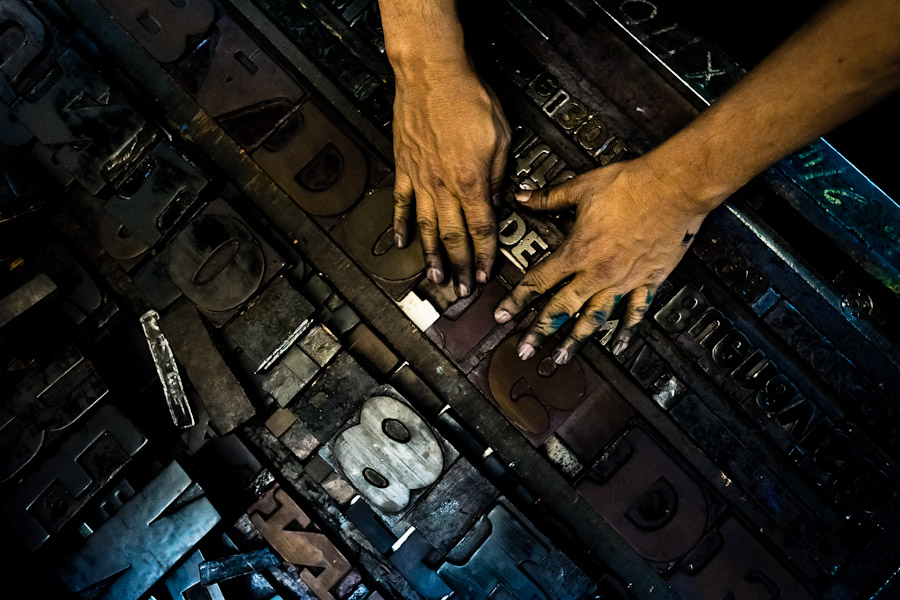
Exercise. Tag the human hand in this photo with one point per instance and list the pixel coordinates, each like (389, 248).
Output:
(450, 146)
(633, 224)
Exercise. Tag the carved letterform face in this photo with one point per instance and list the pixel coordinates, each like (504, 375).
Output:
(391, 452)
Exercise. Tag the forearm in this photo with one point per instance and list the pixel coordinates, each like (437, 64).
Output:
(838, 64)
(422, 36)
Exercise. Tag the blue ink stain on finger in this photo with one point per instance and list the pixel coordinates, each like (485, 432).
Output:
(616, 299)
(557, 320)
(599, 317)
(649, 296)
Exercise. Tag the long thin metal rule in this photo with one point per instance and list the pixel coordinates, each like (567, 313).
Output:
(476, 411)
(833, 190)
(167, 369)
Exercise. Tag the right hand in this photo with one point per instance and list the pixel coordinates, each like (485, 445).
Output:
(450, 145)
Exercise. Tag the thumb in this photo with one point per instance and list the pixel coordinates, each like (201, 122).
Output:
(554, 197)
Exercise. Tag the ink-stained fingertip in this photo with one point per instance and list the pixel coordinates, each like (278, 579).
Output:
(523, 195)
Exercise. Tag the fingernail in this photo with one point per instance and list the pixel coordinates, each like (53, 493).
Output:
(619, 347)
(560, 356)
(481, 276)
(462, 291)
(526, 351)
(523, 195)
(502, 316)
(435, 275)
(398, 240)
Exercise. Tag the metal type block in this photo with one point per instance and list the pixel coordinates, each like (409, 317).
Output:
(162, 190)
(389, 453)
(221, 394)
(114, 499)
(407, 559)
(52, 397)
(452, 506)
(463, 326)
(351, 586)
(287, 379)
(366, 346)
(536, 395)
(270, 325)
(189, 575)
(320, 345)
(338, 488)
(367, 235)
(315, 163)
(276, 516)
(235, 80)
(142, 540)
(99, 133)
(651, 501)
(372, 527)
(221, 569)
(536, 166)
(511, 561)
(163, 28)
(680, 311)
(85, 462)
(596, 422)
(521, 244)
(29, 294)
(280, 421)
(173, 388)
(762, 486)
(333, 397)
(562, 456)
(324, 45)
(731, 563)
(299, 440)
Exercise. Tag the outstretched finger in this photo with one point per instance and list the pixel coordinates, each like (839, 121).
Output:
(455, 238)
(559, 309)
(552, 198)
(592, 318)
(482, 227)
(638, 302)
(403, 202)
(537, 280)
(426, 219)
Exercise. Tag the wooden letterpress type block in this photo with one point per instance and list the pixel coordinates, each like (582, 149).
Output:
(163, 28)
(731, 562)
(659, 508)
(367, 235)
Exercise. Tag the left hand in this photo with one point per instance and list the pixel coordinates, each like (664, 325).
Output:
(632, 227)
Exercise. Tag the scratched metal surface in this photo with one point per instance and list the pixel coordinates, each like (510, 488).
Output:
(357, 432)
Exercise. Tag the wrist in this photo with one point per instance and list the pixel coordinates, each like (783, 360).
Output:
(690, 181)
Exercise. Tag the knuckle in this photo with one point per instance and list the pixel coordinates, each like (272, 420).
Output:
(426, 228)
(453, 238)
(435, 181)
(483, 231)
